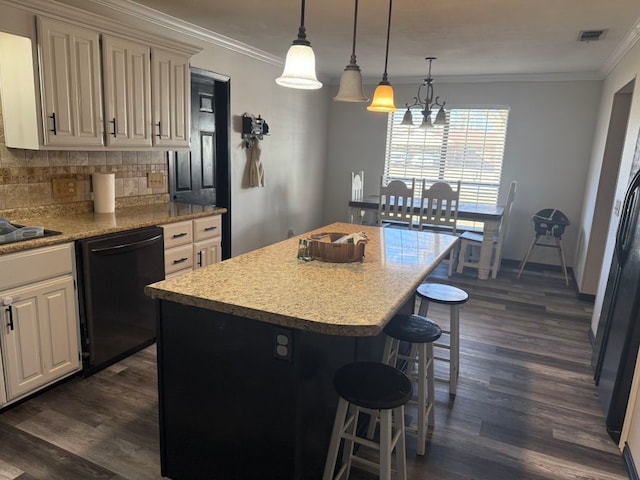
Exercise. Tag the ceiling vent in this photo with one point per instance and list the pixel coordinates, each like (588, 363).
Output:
(591, 35)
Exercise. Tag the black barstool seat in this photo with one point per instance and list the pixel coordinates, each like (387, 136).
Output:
(413, 329)
(372, 385)
(442, 293)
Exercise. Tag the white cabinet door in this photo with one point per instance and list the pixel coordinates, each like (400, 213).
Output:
(171, 93)
(71, 95)
(127, 92)
(39, 335)
(206, 252)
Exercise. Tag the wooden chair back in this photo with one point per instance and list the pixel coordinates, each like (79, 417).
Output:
(357, 186)
(396, 202)
(439, 206)
(507, 211)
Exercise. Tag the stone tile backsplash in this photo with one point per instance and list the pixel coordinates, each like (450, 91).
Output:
(26, 175)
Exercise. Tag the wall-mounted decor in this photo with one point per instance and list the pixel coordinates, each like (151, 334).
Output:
(254, 129)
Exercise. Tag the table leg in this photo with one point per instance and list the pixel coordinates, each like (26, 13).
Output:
(486, 249)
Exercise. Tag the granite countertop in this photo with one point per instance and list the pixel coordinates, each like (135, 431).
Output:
(350, 299)
(75, 226)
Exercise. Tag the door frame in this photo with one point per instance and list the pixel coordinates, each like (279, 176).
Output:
(222, 109)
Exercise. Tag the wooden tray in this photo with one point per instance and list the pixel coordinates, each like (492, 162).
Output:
(324, 250)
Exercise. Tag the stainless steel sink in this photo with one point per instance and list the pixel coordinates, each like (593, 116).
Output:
(22, 233)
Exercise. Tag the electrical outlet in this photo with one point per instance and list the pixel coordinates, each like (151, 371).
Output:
(64, 187)
(155, 180)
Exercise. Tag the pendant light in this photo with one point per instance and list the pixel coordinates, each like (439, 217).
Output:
(300, 65)
(383, 96)
(350, 89)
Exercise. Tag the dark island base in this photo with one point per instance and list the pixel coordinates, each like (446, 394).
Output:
(234, 407)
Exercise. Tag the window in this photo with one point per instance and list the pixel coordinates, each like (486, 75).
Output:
(470, 148)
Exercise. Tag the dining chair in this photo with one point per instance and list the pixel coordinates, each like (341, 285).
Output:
(440, 210)
(357, 195)
(396, 203)
(471, 242)
(357, 186)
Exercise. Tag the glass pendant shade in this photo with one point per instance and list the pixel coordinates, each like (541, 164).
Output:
(300, 69)
(350, 89)
(426, 122)
(382, 99)
(407, 119)
(441, 117)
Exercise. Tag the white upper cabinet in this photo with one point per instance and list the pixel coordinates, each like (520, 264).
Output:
(72, 86)
(171, 98)
(70, 74)
(127, 92)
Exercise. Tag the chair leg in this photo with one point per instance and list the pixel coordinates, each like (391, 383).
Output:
(562, 261)
(431, 385)
(385, 444)
(334, 444)
(495, 267)
(423, 308)
(454, 353)
(347, 450)
(526, 257)
(422, 398)
(401, 450)
(461, 256)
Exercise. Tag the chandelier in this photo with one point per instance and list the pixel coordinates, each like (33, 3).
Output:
(426, 103)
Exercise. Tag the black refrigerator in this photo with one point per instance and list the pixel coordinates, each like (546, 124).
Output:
(618, 336)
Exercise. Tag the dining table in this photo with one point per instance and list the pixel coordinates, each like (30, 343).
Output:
(489, 215)
(248, 347)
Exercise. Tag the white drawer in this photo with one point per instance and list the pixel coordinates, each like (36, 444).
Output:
(34, 265)
(179, 233)
(208, 227)
(178, 258)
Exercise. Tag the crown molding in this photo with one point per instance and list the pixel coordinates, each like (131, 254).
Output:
(177, 25)
(71, 14)
(630, 39)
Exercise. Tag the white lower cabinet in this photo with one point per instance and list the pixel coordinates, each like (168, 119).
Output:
(39, 335)
(192, 244)
(206, 252)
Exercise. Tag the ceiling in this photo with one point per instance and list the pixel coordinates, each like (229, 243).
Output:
(469, 37)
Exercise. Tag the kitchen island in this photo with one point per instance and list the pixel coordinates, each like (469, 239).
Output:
(247, 349)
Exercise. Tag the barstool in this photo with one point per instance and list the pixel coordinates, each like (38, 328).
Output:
(454, 297)
(420, 333)
(374, 387)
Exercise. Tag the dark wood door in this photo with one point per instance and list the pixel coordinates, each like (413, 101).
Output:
(194, 171)
(202, 175)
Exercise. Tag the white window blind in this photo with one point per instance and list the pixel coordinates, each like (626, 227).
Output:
(470, 148)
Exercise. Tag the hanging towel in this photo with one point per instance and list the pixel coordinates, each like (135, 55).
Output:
(256, 171)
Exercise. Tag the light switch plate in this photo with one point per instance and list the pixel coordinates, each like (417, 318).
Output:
(155, 180)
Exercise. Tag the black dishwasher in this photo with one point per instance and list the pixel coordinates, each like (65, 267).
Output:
(116, 317)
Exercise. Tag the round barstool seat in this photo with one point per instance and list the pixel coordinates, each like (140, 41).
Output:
(372, 387)
(420, 333)
(442, 293)
(454, 297)
(413, 329)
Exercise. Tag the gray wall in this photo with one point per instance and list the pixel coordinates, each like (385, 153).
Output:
(548, 147)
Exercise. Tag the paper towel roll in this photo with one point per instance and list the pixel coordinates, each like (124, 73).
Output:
(104, 192)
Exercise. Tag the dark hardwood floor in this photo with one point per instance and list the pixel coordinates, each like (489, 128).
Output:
(526, 406)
